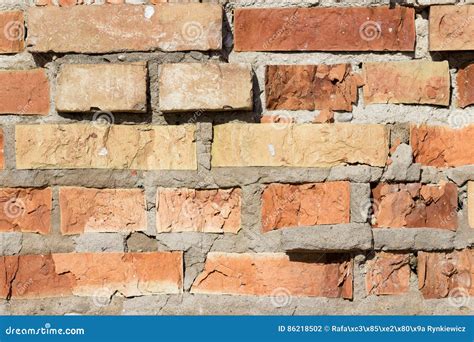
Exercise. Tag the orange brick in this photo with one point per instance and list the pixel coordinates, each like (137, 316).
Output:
(101, 210)
(442, 146)
(90, 274)
(24, 92)
(275, 273)
(25, 210)
(12, 32)
(287, 205)
(210, 211)
(388, 274)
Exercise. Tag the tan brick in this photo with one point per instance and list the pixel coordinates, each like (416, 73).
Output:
(101, 210)
(309, 87)
(388, 274)
(304, 145)
(12, 32)
(24, 92)
(470, 203)
(451, 28)
(442, 146)
(195, 86)
(109, 87)
(99, 29)
(416, 205)
(72, 146)
(287, 205)
(91, 274)
(442, 274)
(25, 210)
(276, 274)
(416, 82)
(210, 211)
(325, 29)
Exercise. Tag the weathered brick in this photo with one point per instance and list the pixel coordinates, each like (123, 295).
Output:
(325, 29)
(109, 87)
(443, 274)
(210, 211)
(388, 274)
(309, 87)
(470, 203)
(101, 210)
(287, 205)
(416, 205)
(195, 86)
(99, 29)
(90, 274)
(304, 145)
(24, 92)
(442, 146)
(25, 210)
(276, 274)
(407, 82)
(451, 28)
(465, 82)
(2, 158)
(12, 28)
(71, 146)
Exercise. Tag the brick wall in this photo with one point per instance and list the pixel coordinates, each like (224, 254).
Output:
(236, 157)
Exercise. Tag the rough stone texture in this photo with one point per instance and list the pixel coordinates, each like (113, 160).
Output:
(470, 203)
(416, 205)
(298, 145)
(465, 83)
(99, 242)
(388, 274)
(90, 274)
(337, 238)
(451, 28)
(2, 150)
(101, 210)
(401, 167)
(276, 274)
(442, 146)
(196, 86)
(105, 146)
(116, 87)
(446, 274)
(325, 29)
(96, 29)
(10, 243)
(403, 239)
(421, 82)
(24, 92)
(12, 28)
(310, 87)
(287, 205)
(25, 210)
(209, 211)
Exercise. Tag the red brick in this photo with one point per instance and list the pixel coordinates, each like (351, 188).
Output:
(465, 82)
(100, 29)
(442, 146)
(309, 87)
(90, 274)
(101, 210)
(274, 273)
(210, 211)
(24, 92)
(388, 274)
(287, 205)
(12, 32)
(451, 28)
(415, 205)
(25, 210)
(325, 29)
(442, 274)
